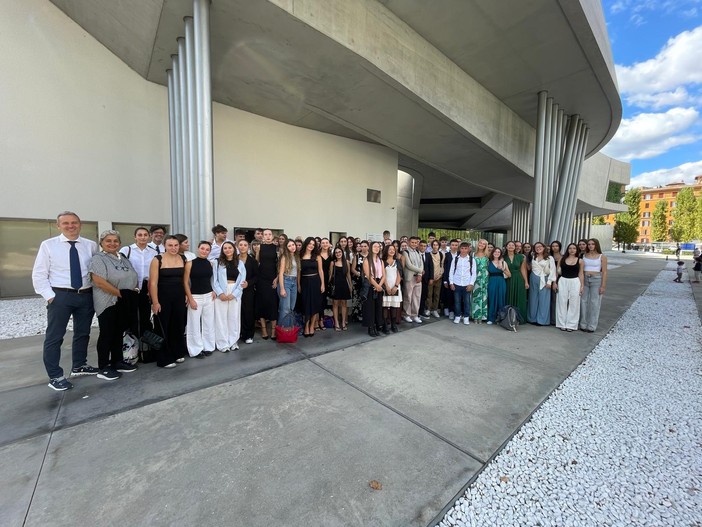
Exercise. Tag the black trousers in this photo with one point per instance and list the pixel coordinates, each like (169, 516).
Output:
(112, 324)
(172, 322)
(373, 310)
(248, 313)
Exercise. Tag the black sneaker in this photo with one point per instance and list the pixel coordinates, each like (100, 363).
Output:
(60, 385)
(109, 374)
(125, 367)
(207, 353)
(200, 355)
(85, 369)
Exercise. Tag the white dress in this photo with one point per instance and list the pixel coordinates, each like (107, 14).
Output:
(391, 278)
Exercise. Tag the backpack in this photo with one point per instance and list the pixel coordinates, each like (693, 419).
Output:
(509, 318)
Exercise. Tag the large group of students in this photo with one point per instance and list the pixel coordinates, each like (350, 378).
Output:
(225, 290)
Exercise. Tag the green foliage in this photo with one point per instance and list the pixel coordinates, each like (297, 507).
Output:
(685, 215)
(676, 233)
(614, 194)
(659, 222)
(698, 219)
(598, 220)
(632, 199)
(625, 231)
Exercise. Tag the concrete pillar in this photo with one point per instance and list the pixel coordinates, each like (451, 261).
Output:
(173, 130)
(203, 89)
(538, 226)
(192, 188)
(184, 133)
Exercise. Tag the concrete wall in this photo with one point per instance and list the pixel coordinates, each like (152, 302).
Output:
(81, 130)
(271, 174)
(596, 174)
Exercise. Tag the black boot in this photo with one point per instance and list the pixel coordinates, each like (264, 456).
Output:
(393, 327)
(385, 329)
(372, 332)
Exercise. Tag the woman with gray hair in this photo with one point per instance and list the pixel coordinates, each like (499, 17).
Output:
(114, 297)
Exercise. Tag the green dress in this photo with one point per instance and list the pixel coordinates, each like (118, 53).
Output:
(479, 302)
(516, 291)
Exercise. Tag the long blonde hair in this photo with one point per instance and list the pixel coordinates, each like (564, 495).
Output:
(289, 257)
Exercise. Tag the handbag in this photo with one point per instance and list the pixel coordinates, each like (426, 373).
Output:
(130, 348)
(287, 334)
(365, 287)
(153, 340)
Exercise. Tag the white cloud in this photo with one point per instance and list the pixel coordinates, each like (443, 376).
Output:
(677, 64)
(656, 101)
(685, 172)
(639, 9)
(651, 134)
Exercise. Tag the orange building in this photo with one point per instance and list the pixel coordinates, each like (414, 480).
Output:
(652, 195)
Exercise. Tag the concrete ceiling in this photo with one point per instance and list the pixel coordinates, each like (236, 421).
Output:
(266, 61)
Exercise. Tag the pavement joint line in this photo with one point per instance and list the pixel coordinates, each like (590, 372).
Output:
(43, 460)
(399, 413)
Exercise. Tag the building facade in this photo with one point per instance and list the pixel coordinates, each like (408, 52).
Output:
(327, 117)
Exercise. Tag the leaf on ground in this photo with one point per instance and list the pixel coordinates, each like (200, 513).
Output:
(376, 485)
(504, 479)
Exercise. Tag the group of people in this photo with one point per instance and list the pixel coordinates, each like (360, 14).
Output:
(208, 300)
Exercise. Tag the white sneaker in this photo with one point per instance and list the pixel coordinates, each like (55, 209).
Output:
(457, 320)
(171, 365)
(249, 341)
(181, 360)
(489, 322)
(417, 320)
(446, 312)
(450, 315)
(466, 320)
(234, 347)
(408, 319)
(435, 314)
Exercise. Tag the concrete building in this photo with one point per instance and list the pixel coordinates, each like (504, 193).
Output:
(323, 116)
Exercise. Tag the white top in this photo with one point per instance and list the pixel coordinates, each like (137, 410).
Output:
(545, 269)
(52, 268)
(140, 260)
(593, 265)
(462, 273)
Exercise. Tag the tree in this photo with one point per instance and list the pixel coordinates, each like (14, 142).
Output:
(676, 233)
(699, 220)
(624, 230)
(632, 199)
(598, 220)
(684, 215)
(659, 222)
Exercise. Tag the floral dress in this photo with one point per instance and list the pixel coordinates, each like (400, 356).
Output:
(479, 302)
(356, 303)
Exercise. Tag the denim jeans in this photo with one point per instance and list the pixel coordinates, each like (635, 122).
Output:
(462, 299)
(287, 304)
(58, 313)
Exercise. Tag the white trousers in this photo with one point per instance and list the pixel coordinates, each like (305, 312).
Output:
(227, 321)
(200, 330)
(568, 303)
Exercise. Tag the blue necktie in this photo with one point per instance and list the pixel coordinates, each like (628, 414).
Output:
(76, 275)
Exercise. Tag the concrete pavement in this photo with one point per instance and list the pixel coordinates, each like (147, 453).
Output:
(285, 434)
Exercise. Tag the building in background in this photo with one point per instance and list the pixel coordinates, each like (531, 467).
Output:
(325, 117)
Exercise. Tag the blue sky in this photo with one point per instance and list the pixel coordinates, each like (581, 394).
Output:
(657, 48)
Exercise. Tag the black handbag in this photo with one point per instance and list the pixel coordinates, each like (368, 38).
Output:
(150, 342)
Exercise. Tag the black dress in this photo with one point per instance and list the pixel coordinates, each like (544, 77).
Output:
(341, 285)
(357, 304)
(248, 320)
(266, 296)
(310, 284)
(171, 296)
(323, 297)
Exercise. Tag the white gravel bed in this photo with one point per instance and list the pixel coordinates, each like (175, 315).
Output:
(23, 317)
(619, 443)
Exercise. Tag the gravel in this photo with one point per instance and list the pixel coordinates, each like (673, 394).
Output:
(619, 443)
(23, 317)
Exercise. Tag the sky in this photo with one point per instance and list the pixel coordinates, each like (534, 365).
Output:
(657, 49)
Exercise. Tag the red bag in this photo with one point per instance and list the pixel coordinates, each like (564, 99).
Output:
(287, 335)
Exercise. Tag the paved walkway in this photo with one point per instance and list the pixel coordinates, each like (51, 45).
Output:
(285, 434)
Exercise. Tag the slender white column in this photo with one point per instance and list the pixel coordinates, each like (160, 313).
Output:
(185, 146)
(564, 179)
(545, 210)
(538, 227)
(177, 145)
(191, 188)
(203, 84)
(173, 149)
(577, 166)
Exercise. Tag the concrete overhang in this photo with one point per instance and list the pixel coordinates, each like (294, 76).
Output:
(451, 86)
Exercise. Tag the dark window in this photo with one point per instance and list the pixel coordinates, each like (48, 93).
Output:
(373, 196)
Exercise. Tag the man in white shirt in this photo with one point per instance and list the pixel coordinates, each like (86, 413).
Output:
(60, 275)
(461, 279)
(157, 234)
(140, 255)
(447, 294)
(413, 271)
(219, 233)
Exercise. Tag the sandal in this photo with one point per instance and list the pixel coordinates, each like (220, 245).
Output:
(345, 327)
(337, 328)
